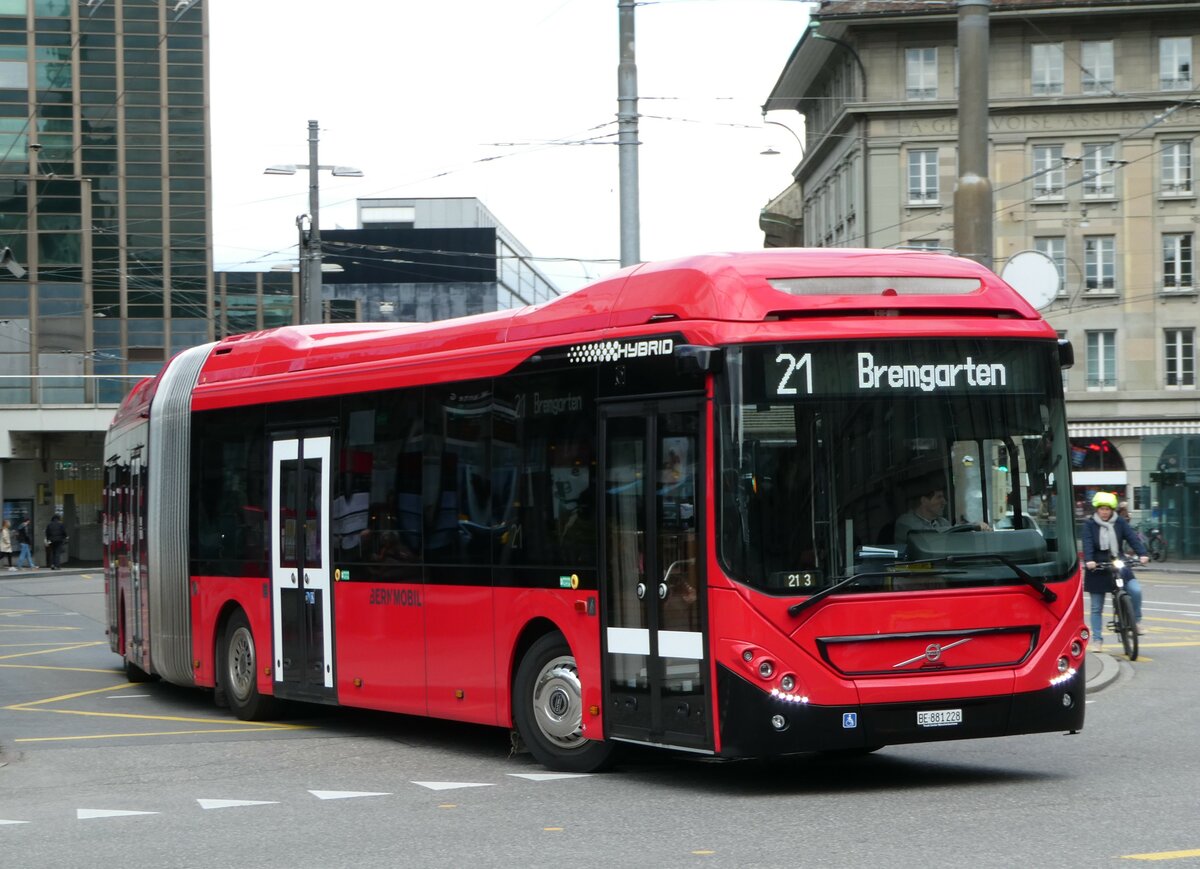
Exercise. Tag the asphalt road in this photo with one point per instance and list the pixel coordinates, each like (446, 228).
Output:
(100, 772)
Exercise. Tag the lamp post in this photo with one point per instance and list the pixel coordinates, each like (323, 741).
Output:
(310, 238)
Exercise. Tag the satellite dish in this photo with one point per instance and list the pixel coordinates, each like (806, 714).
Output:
(1034, 275)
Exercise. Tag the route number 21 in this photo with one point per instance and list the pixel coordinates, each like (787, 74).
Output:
(800, 368)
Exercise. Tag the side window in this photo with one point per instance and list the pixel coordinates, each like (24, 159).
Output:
(459, 522)
(229, 493)
(544, 470)
(376, 511)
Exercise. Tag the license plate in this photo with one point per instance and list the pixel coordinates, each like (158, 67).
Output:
(939, 717)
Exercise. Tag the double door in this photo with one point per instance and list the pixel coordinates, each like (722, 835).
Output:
(653, 586)
(301, 604)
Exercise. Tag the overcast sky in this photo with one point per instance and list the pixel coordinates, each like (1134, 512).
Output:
(467, 97)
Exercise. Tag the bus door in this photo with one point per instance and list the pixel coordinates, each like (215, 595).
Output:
(301, 600)
(136, 605)
(652, 584)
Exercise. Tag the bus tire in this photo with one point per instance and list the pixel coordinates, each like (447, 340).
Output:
(134, 673)
(238, 672)
(548, 709)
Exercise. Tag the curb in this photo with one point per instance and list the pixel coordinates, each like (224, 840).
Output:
(1102, 671)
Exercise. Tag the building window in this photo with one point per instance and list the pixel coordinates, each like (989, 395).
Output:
(1097, 62)
(1049, 176)
(1047, 71)
(1055, 247)
(933, 244)
(922, 177)
(1099, 270)
(1175, 63)
(1102, 359)
(920, 73)
(1180, 347)
(1098, 161)
(1177, 167)
(1066, 380)
(1177, 261)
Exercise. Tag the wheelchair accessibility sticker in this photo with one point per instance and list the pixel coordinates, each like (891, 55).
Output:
(849, 720)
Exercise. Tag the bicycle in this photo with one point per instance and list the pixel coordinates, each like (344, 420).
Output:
(1124, 622)
(1156, 544)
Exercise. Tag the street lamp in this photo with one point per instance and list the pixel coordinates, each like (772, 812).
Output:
(771, 152)
(310, 238)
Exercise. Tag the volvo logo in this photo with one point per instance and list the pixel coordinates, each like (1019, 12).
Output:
(932, 654)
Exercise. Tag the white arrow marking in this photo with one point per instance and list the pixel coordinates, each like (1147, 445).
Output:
(346, 795)
(547, 776)
(451, 785)
(4, 821)
(84, 814)
(229, 804)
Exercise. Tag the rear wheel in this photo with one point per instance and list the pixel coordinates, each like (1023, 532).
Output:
(1127, 626)
(548, 709)
(238, 672)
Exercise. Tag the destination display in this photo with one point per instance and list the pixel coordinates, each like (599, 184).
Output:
(791, 372)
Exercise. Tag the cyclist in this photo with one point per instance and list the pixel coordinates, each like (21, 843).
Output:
(1105, 535)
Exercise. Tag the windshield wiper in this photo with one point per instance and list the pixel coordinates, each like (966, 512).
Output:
(1048, 595)
(800, 606)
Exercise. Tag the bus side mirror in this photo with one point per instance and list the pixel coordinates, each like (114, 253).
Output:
(1066, 354)
(698, 359)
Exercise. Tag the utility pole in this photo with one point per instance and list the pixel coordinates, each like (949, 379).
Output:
(973, 194)
(627, 136)
(310, 304)
(310, 239)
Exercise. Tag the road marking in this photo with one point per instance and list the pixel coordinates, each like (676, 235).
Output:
(40, 706)
(74, 647)
(1163, 855)
(451, 785)
(85, 814)
(207, 730)
(233, 804)
(127, 696)
(1144, 645)
(347, 795)
(547, 776)
(552, 829)
(6, 821)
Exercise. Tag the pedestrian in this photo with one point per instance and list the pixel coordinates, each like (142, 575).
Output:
(56, 536)
(6, 543)
(23, 540)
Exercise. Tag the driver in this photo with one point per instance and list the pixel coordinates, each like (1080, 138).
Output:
(926, 512)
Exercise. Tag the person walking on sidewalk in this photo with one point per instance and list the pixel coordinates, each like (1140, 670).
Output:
(56, 536)
(23, 540)
(6, 543)
(1105, 537)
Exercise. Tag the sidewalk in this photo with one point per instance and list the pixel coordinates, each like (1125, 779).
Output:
(1102, 671)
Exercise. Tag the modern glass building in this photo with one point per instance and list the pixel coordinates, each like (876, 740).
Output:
(105, 200)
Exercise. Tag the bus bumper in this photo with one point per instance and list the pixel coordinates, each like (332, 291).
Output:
(750, 727)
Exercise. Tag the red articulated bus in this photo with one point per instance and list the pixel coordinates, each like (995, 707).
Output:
(737, 504)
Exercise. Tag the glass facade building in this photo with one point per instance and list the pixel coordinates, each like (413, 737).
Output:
(105, 195)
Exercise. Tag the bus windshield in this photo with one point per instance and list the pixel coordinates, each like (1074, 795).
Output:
(908, 464)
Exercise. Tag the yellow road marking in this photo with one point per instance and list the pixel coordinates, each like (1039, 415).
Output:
(1157, 619)
(71, 648)
(25, 629)
(1144, 645)
(109, 671)
(1163, 855)
(40, 706)
(249, 729)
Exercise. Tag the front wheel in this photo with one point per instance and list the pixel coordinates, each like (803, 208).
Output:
(548, 709)
(1128, 626)
(238, 672)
